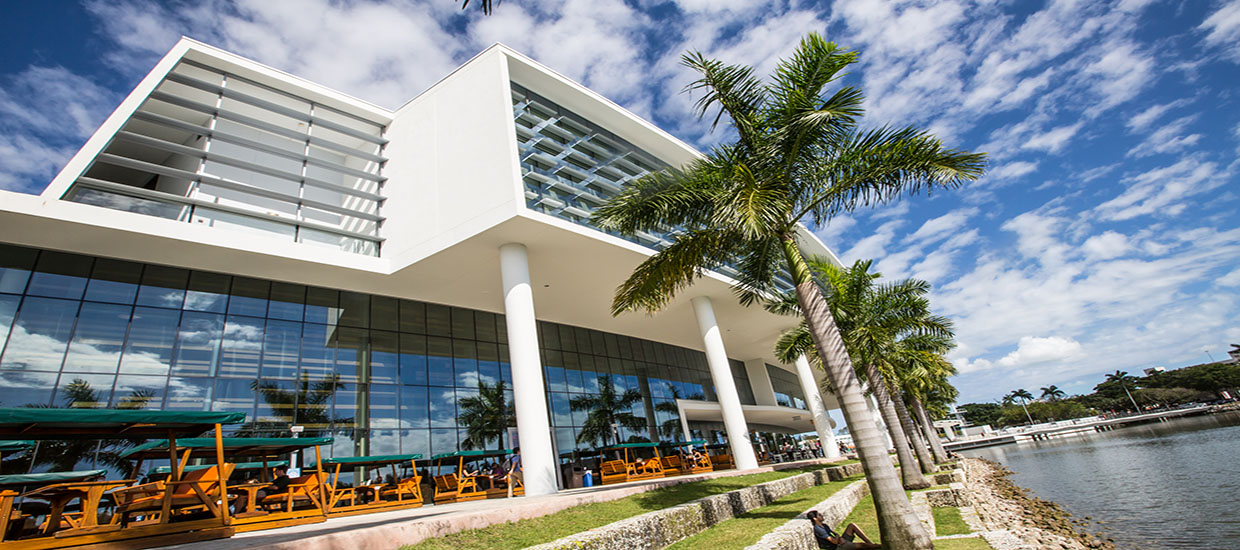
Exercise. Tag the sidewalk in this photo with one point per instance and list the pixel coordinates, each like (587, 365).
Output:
(392, 529)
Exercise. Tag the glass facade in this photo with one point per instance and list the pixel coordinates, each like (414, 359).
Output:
(787, 388)
(214, 149)
(380, 374)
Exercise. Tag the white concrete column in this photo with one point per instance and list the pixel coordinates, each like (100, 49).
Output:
(882, 424)
(528, 389)
(760, 382)
(725, 386)
(817, 409)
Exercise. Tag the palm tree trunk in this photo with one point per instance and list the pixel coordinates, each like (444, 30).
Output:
(936, 446)
(1135, 408)
(914, 435)
(909, 469)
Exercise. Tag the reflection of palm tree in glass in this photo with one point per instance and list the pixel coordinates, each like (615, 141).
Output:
(64, 456)
(485, 416)
(671, 427)
(607, 408)
(309, 404)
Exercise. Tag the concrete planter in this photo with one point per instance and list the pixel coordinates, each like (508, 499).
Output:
(661, 528)
(798, 534)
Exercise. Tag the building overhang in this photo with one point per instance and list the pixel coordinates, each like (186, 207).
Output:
(795, 420)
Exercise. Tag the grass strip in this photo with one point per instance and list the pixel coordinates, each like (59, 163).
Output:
(529, 532)
(948, 521)
(866, 518)
(747, 528)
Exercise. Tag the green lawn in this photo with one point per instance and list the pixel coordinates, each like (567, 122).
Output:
(588, 516)
(947, 521)
(747, 528)
(865, 518)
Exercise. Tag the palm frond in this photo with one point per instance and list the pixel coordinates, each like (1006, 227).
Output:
(657, 280)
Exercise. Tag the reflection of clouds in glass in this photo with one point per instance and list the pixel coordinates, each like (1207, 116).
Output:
(28, 350)
(20, 388)
(163, 297)
(204, 301)
(244, 334)
(384, 443)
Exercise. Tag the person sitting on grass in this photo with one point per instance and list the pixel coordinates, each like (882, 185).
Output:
(829, 539)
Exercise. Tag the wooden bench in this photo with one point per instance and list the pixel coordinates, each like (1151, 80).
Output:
(160, 500)
(454, 488)
(614, 471)
(721, 461)
(649, 469)
(408, 489)
(671, 465)
(700, 465)
(301, 490)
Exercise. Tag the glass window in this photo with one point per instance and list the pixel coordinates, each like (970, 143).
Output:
(162, 287)
(114, 281)
(350, 410)
(465, 363)
(582, 337)
(416, 441)
(60, 275)
(84, 391)
(98, 338)
(384, 357)
(561, 414)
(189, 394)
(484, 326)
(488, 363)
(442, 403)
(579, 417)
(281, 349)
(438, 320)
(354, 310)
(276, 401)
(322, 305)
(26, 389)
(317, 352)
(234, 395)
(439, 361)
(443, 441)
(152, 334)
(413, 407)
(413, 359)
(15, 265)
(139, 392)
(412, 317)
(463, 323)
(383, 313)
(383, 406)
(572, 373)
(207, 292)
(8, 310)
(350, 354)
(314, 403)
(249, 297)
(565, 440)
(198, 344)
(242, 347)
(386, 442)
(555, 379)
(40, 334)
(288, 302)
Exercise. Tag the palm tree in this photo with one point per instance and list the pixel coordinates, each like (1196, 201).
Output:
(799, 156)
(607, 410)
(1023, 395)
(671, 427)
(1123, 379)
(487, 5)
(486, 416)
(1052, 393)
(309, 403)
(872, 320)
(936, 392)
(65, 455)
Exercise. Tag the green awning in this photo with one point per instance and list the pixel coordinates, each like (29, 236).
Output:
(472, 454)
(233, 446)
(59, 424)
(372, 460)
(161, 470)
(48, 478)
(682, 443)
(10, 446)
(630, 446)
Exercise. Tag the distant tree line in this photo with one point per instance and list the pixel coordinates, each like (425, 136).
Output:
(1119, 392)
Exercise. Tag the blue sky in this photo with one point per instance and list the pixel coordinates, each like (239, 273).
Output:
(1105, 235)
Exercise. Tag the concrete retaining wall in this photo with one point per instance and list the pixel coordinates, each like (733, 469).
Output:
(661, 528)
(798, 534)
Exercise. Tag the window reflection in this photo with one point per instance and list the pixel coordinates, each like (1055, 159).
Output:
(40, 334)
(350, 354)
(98, 338)
(162, 287)
(15, 265)
(139, 392)
(198, 344)
(26, 389)
(317, 353)
(8, 310)
(281, 349)
(412, 359)
(242, 346)
(414, 411)
(83, 391)
(152, 335)
(249, 297)
(60, 275)
(384, 357)
(114, 281)
(207, 292)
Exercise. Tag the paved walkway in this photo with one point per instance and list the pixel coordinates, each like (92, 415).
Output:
(389, 530)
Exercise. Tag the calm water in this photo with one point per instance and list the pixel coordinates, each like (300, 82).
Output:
(1173, 484)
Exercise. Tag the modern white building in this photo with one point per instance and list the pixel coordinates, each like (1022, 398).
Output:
(236, 238)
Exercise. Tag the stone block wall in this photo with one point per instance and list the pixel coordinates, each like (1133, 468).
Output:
(661, 528)
(798, 534)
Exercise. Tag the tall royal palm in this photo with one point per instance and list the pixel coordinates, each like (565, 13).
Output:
(799, 156)
(1052, 393)
(1124, 379)
(1024, 396)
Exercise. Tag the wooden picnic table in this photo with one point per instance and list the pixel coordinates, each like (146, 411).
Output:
(251, 499)
(60, 495)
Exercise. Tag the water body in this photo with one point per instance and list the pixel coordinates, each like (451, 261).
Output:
(1173, 484)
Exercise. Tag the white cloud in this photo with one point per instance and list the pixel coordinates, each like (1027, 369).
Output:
(941, 227)
(1033, 350)
(1223, 28)
(1052, 140)
(1141, 121)
(1170, 138)
(1231, 279)
(1106, 246)
(1013, 170)
(1164, 190)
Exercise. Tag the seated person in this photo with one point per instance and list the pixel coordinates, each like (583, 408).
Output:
(829, 539)
(698, 458)
(279, 485)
